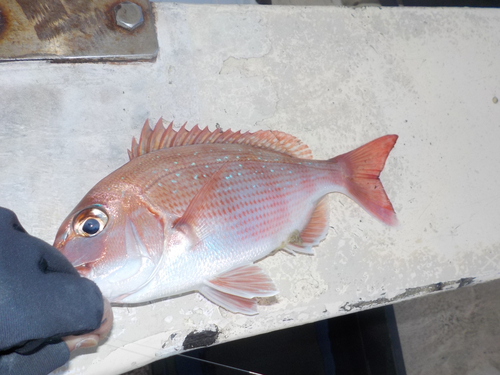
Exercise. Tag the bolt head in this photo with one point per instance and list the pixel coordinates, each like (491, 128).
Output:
(128, 15)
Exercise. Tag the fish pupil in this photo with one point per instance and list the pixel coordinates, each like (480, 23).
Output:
(91, 226)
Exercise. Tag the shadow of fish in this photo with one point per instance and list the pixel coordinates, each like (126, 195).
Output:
(193, 210)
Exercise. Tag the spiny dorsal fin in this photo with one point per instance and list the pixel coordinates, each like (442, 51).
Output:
(160, 137)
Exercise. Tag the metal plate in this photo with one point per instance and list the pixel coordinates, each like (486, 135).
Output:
(72, 30)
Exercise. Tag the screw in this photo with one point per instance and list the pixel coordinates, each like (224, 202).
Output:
(128, 15)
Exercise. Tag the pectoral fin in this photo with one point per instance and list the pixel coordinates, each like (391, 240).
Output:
(194, 223)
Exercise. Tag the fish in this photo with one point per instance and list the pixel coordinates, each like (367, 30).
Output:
(195, 210)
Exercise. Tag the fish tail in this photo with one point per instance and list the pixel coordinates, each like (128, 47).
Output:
(361, 169)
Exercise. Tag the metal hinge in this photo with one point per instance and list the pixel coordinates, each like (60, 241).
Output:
(77, 30)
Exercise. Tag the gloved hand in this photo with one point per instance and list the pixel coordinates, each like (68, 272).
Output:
(43, 299)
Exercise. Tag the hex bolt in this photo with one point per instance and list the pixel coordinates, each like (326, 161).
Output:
(128, 15)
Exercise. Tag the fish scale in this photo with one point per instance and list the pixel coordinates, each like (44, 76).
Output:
(193, 210)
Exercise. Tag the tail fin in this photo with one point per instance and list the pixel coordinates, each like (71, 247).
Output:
(362, 168)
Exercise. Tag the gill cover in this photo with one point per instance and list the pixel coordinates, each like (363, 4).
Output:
(143, 237)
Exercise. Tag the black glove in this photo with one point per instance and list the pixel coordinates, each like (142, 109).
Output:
(42, 299)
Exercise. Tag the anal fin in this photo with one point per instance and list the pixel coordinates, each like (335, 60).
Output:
(314, 232)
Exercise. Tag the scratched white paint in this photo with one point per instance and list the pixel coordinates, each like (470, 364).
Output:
(336, 78)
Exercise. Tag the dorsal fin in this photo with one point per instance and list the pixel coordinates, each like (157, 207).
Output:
(160, 137)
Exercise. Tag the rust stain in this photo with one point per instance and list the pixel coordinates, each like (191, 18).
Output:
(42, 9)
(75, 28)
(410, 293)
(52, 18)
(4, 21)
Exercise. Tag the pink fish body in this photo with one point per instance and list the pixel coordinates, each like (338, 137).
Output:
(193, 210)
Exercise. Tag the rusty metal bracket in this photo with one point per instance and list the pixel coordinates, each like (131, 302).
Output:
(77, 30)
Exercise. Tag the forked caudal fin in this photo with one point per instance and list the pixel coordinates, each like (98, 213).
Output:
(361, 168)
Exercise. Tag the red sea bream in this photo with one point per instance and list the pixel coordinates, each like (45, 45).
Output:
(193, 210)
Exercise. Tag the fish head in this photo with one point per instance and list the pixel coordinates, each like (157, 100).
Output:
(114, 240)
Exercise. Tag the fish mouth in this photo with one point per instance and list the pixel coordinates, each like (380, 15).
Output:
(84, 269)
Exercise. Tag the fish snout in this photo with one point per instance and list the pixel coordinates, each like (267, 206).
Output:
(81, 252)
(61, 237)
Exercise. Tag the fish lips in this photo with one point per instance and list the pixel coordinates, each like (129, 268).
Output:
(84, 270)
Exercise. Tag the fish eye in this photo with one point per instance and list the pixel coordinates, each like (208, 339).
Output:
(91, 226)
(90, 222)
